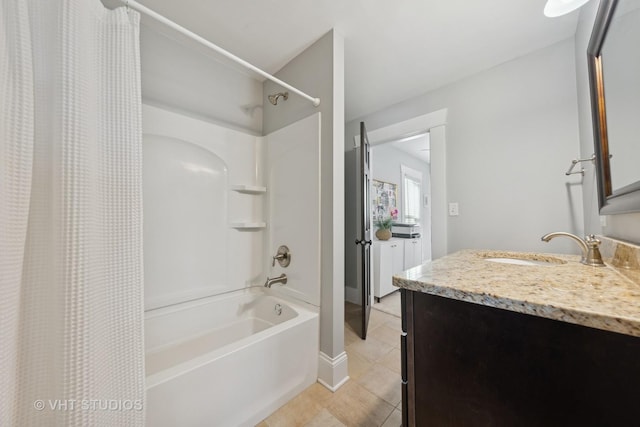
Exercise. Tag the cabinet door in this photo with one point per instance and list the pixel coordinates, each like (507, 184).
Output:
(397, 255)
(472, 365)
(387, 261)
(412, 253)
(417, 252)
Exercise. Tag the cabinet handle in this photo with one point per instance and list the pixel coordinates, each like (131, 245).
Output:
(403, 358)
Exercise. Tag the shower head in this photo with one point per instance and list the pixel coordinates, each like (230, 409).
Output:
(274, 98)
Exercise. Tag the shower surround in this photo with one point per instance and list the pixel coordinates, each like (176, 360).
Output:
(218, 203)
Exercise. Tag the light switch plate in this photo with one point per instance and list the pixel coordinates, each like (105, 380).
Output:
(453, 209)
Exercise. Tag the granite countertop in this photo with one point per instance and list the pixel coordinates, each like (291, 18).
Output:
(566, 290)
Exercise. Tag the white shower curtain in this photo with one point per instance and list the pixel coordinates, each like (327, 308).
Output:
(71, 306)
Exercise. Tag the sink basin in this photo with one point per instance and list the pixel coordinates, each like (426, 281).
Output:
(521, 258)
(521, 261)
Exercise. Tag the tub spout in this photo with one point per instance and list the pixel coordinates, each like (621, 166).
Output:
(590, 251)
(280, 279)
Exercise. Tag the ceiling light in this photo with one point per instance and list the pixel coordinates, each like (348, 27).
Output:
(555, 8)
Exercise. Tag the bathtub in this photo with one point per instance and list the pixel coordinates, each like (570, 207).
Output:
(227, 360)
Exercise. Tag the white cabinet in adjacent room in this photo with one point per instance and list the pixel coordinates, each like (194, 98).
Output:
(412, 253)
(388, 259)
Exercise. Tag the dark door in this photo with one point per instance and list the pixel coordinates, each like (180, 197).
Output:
(364, 240)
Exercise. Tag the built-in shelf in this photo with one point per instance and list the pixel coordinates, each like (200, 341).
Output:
(249, 189)
(248, 225)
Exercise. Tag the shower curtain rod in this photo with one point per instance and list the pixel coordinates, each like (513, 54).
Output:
(146, 11)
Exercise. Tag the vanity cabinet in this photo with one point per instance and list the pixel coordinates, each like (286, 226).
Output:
(466, 364)
(412, 253)
(388, 259)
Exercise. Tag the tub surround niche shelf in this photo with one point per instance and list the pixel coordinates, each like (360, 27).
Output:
(249, 189)
(485, 343)
(248, 226)
(253, 190)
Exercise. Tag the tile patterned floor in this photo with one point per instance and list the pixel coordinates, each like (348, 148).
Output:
(372, 395)
(389, 304)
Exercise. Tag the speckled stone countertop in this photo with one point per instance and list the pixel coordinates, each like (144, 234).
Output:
(565, 290)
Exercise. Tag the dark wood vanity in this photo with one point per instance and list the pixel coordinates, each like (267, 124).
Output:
(507, 345)
(465, 364)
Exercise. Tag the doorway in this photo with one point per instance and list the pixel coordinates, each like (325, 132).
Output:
(401, 190)
(433, 124)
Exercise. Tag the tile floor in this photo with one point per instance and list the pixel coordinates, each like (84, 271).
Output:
(372, 395)
(389, 304)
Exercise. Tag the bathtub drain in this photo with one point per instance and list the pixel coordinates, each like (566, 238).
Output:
(278, 309)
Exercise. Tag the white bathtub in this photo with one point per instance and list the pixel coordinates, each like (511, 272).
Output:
(228, 360)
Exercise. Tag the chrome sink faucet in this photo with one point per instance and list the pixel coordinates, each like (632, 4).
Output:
(280, 279)
(590, 247)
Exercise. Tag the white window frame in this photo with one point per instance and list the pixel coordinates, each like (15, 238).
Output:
(416, 176)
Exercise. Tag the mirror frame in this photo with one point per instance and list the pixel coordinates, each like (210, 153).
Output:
(627, 198)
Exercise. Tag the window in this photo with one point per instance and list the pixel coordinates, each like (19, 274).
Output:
(411, 194)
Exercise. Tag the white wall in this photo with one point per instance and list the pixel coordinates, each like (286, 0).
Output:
(208, 257)
(293, 171)
(626, 226)
(386, 161)
(185, 216)
(511, 134)
(183, 77)
(192, 95)
(319, 71)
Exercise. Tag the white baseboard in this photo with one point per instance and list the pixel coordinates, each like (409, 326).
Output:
(352, 295)
(333, 372)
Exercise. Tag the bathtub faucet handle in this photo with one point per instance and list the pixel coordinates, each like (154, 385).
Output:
(283, 256)
(277, 257)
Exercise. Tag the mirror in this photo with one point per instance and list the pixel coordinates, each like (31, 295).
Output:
(614, 69)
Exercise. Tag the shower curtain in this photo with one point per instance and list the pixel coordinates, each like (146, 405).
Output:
(71, 306)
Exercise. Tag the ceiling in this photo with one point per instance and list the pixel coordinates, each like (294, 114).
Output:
(394, 50)
(417, 146)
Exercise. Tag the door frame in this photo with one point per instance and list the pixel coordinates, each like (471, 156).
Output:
(434, 123)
